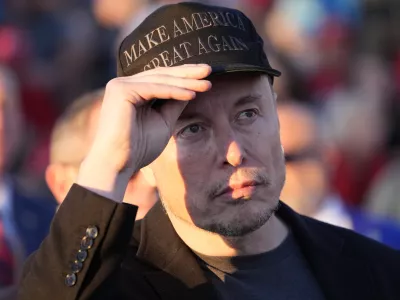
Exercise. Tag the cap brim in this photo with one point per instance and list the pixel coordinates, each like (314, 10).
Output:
(232, 68)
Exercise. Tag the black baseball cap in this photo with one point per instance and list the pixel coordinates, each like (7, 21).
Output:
(194, 33)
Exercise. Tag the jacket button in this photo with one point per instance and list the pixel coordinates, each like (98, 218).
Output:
(81, 255)
(86, 243)
(70, 280)
(76, 266)
(92, 232)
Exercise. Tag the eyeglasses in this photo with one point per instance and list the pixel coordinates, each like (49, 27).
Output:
(301, 155)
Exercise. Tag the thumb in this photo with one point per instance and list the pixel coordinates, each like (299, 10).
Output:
(171, 110)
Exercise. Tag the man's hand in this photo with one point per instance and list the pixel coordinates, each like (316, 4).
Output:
(131, 133)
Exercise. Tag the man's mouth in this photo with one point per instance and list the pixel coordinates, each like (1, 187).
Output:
(243, 190)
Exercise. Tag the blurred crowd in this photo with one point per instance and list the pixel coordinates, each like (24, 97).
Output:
(338, 100)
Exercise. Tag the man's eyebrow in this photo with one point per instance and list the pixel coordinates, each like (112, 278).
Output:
(187, 116)
(248, 99)
(184, 117)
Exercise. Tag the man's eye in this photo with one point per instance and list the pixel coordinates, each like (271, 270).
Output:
(191, 130)
(247, 114)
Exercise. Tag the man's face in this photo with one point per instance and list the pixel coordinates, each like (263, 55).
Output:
(223, 169)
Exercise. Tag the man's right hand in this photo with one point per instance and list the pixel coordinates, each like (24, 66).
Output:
(131, 133)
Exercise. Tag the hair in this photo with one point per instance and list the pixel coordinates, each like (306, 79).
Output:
(68, 144)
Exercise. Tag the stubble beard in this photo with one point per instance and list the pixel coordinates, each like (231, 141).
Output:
(237, 228)
(234, 228)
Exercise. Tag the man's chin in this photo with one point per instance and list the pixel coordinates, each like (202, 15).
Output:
(244, 223)
(234, 231)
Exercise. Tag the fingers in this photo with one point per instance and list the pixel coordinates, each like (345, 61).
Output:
(177, 83)
(171, 111)
(186, 71)
(196, 85)
(156, 90)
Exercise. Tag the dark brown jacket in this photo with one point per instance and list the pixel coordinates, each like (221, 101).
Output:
(150, 261)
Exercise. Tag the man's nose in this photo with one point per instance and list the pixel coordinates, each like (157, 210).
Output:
(234, 154)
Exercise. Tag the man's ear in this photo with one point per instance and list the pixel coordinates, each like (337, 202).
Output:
(59, 180)
(149, 175)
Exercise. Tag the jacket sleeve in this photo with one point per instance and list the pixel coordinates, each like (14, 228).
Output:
(87, 241)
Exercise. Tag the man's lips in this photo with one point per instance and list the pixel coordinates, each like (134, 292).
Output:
(239, 190)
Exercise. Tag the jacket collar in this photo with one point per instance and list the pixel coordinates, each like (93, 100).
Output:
(178, 267)
(340, 276)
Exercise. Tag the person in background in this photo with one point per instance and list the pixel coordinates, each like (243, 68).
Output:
(356, 128)
(24, 219)
(307, 188)
(383, 194)
(71, 140)
(127, 15)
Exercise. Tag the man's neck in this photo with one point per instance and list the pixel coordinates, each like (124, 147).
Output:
(265, 239)
(150, 196)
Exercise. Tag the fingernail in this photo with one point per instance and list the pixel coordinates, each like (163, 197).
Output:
(209, 84)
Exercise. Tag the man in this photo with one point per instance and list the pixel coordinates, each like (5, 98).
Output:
(24, 219)
(71, 139)
(216, 158)
(307, 188)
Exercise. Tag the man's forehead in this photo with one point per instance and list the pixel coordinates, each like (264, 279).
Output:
(239, 78)
(228, 90)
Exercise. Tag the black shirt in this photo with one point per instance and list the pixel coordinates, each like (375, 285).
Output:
(280, 274)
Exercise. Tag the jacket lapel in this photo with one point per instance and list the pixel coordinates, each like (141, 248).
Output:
(179, 274)
(340, 276)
